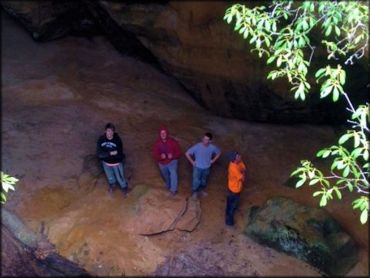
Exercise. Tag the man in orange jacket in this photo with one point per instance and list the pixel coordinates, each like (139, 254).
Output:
(236, 177)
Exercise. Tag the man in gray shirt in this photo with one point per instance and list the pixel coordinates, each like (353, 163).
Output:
(202, 155)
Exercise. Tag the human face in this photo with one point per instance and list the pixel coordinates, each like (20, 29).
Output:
(109, 133)
(206, 140)
(163, 135)
(238, 158)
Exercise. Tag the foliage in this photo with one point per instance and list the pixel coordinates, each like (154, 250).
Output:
(286, 33)
(7, 183)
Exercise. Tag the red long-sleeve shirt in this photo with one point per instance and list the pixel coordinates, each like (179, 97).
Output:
(170, 146)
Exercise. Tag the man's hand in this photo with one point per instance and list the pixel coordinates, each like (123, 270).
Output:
(190, 159)
(113, 153)
(163, 155)
(169, 156)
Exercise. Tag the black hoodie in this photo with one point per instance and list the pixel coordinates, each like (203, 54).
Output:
(105, 146)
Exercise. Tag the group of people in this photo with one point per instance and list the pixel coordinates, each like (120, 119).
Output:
(166, 152)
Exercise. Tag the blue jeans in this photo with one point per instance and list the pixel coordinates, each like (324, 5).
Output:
(169, 174)
(115, 174)
(199, 179)
(232, 203)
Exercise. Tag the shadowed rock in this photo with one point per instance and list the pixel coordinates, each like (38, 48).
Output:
(190, 41)
(309, 234)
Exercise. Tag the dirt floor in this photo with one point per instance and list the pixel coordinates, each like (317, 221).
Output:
(56, 99)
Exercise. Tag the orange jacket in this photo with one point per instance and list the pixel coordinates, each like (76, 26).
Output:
(236, 176)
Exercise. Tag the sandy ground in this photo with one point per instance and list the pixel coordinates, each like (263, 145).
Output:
(56, 99)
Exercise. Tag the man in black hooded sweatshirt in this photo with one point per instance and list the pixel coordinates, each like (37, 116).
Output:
(109, 151)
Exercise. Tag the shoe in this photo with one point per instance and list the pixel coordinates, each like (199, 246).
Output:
(125, 192)
(203, 194)
(194, 196)
(171, 194)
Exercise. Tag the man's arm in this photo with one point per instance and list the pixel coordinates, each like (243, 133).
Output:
(217, 156)
(188, 156)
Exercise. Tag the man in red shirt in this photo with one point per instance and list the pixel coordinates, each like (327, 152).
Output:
(166, 151)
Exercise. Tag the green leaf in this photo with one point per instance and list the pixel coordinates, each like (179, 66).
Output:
(316, 193)
(328, 31)
(3, 198)
(335, 94)
(326, 92)
(323, 201)
(342, 77)
(300, 92)
(344, 138)
(229, 19)
(300, 183)
(279, 61)
(313, 181)
(334, 165)
(274, 26)
(346, 171)
(267, 25)
(357, 203)
(297, 171)
(349, 186)
(337, 191)
(271, 59)
(356, 152)
(356, 139)
(324, 153)
(320, 72)
(245, 35)
(364, 216)
(366, 155)
(326, 183)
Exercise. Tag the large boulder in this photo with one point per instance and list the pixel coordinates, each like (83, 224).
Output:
(156, 212)
(309, 234)
(191, 217)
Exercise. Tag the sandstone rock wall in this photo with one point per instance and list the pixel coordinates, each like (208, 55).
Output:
(191, 42)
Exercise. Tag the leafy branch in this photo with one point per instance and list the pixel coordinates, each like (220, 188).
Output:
(7, 184)
(283, 32)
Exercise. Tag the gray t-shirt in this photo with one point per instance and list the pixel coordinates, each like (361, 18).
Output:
(203, 155)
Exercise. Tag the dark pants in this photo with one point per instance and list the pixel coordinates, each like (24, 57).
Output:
(232, 203)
